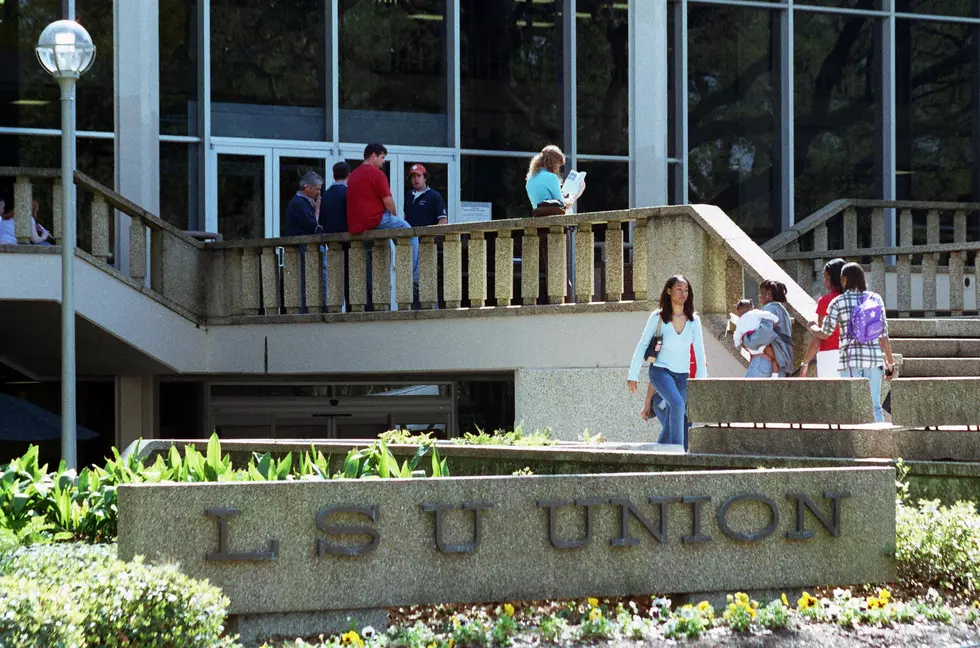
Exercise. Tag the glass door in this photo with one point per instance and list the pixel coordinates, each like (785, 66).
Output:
(241, 200)
(290, 165)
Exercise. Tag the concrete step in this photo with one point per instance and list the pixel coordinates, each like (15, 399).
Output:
(940, 367)
(934, 328)
(936, 347)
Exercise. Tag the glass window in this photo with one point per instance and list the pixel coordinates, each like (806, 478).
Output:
(607, 186)
(28, 94)
(837, 105)
(393, 60)
(936, 117)
(179, 173)
(499, 181)
(178, 67)
(241, 196)
(94, 92)
(602, 33)
(847, 4)
(511, 74)
(291, 171)
(268, 69)
(732, 107)
(944, 7)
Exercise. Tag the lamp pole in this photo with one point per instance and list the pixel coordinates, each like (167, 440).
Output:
(69, 453)
(65, 50)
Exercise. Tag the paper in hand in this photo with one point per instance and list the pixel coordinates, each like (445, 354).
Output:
(573, 185)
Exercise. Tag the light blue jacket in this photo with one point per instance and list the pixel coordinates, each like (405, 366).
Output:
(675, 354)
(543, 185)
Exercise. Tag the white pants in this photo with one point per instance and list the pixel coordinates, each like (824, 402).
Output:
(827, 363)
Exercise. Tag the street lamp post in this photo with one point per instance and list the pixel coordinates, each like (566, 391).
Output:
(65, 50)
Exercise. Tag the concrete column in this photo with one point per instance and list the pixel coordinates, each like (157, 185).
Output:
(137, 112)
(648, 103)
(136, 409)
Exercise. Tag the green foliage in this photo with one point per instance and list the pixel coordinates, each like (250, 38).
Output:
(415, 636)
(688, 621)
(80, 595)
(740, 612)
(504, 628)
(37, 506)
(939, 545)
(516, 437)
(471, 632)
(595, 624)
(774, 616)
(553, 628)
(405, 437)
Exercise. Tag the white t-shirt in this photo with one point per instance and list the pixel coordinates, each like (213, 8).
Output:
(8, 234)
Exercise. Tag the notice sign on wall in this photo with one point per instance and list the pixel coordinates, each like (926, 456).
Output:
(349, 544)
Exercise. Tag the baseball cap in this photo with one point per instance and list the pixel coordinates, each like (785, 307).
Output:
(417, 168)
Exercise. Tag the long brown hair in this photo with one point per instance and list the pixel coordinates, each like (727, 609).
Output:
(549, 157)
(666, 310)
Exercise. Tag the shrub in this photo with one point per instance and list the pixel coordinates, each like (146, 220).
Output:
(938, 545)
(513, 438)
(110, 602)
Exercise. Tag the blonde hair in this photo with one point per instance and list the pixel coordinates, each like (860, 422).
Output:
(549, 157)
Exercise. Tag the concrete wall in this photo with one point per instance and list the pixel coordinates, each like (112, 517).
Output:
(571, 400)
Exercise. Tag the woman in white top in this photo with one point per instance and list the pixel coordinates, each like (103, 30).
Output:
(8, 227)
(680, 327)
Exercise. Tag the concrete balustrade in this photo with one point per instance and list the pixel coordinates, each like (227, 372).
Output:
(934, 272)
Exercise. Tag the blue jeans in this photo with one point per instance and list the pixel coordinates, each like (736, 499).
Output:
(393, 222)
(672, 387)
(875, 376)
(759, 367)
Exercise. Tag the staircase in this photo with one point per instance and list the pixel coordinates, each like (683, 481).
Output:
(937, 347)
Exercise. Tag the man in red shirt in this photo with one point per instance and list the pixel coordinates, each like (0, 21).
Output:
(369, 202)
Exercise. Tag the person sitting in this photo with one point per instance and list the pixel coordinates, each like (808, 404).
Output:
(543, 183)
(303, 210)
(8, 227)
(750, 319)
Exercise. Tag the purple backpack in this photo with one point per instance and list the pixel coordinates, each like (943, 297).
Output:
(867, 319)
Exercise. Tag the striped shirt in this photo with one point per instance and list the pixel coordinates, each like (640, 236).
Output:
(853, 354)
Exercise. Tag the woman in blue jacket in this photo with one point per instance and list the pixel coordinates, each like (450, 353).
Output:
(680, 327)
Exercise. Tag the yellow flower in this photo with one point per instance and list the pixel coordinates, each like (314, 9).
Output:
(595, 614)
(806, 601)
(704, 607)
(594, 602)
(452, 642)
(884, 595)
(742, 598)
(352, 639)
(508, 609)
(755, 605)
(784, 600)
(752, 613)
(874, 604)
(976, 605)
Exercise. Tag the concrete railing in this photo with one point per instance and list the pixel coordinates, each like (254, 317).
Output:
(163, 259)
(948, 240)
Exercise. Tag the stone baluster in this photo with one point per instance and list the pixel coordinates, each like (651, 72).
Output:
(878, 277)
(584, 263)
(251, 288)
(381, 274)
(821, 243)
(929, 263)
(335, 276)
(905, 264)
(357, 273)
(640, 261)
(452, 269)
(850, 229)
(137, 249)
(530, 261)
(313, 269)
(428, 272)
(404, 285)
(503, 268)
(23, 191)
(56, 218)
(292, 280)
(100, 228)
(477, 258)
(957, 265)
(269, 261)
(801, 270)
(614, 261)
(557, 278)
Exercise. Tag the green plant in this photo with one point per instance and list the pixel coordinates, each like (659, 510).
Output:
(591, 439)
(774, 616)
(504, 626)
(114, 603)
(470, 632)
(377, 461)
(595, 624)
(632, 625)
(688, 621)
(523, 472)
(553, 628)
(418, 635)
(32, 616)
(938, 545)
(516, 437)
(405, 437)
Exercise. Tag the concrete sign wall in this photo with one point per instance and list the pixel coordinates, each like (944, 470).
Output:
(345, 545)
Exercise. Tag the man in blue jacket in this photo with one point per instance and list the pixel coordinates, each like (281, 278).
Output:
(424, 206)
(303, 210)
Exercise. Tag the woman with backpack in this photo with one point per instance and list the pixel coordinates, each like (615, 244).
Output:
(865, 351)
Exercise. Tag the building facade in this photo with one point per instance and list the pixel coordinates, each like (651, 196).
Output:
(207, 112)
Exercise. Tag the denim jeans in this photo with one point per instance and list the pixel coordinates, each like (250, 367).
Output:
(759, 367)
(393, 222)
(659, 407)
(875, 376)
(672, 387)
